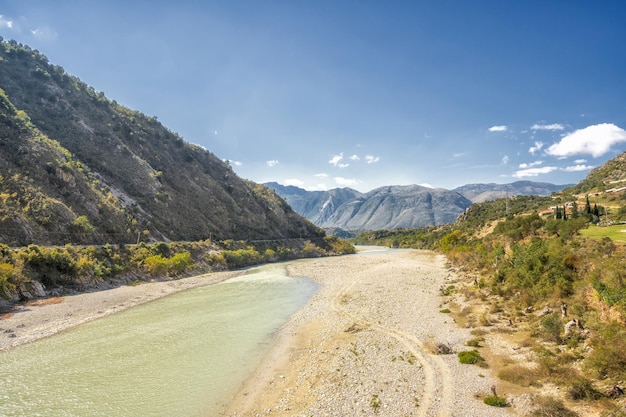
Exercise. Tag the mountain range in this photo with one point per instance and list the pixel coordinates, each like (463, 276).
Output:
(394, 207)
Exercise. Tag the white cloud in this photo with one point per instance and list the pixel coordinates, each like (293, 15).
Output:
(580, 161)
(425, 184)
(553, 126)
(321, 175)
(5, 23)
(345, 182)
(355, 158)
(272, 163)
(44, 33)
(295, 182)
(594, 140)
(317, 187)
(236, 163)
(505, 159)
(371, 159)
(536, 148)
(336, 159)
(533, 172)
(498, 129)
(530, 165)
(576, 168)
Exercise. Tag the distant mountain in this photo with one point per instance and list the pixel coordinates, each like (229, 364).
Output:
(76, 167)
(389, 207)
(479, 193)
(395, 207)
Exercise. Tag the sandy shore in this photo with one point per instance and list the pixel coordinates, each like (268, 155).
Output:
(362, 346)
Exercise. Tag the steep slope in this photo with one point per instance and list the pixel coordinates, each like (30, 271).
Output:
(389, 207)
(77, 167)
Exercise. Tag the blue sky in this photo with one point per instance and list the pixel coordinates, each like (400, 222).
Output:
(360, 94)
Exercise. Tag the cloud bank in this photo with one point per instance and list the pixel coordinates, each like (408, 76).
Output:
(595, 140)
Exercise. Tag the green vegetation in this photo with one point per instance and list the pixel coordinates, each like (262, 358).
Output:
(495, 401)
(616, 233)
(523, 267)
(470, 357)
(76, 268)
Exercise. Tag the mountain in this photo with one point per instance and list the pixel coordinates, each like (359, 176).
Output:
(479, 193)
(395, 207)
(390, 207)
(77, 167)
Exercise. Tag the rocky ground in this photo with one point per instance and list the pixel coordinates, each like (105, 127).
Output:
(365, 345)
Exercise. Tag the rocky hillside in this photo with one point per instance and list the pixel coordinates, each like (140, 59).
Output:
(610, 175)
(389, 207)
(77, 167)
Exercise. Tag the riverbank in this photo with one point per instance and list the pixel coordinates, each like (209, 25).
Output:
(44, 317)
(364, 345)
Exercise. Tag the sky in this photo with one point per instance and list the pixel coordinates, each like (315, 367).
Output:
(361, 94)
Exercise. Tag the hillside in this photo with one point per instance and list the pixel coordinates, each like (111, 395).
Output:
(389, 207)
(610, 175)
(479, 193)
(77, 167)
(545, 298)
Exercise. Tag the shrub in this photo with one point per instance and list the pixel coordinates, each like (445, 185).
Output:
(495, 401)
(474, 342)
(551, 327)
(6, 286)
(583, 389)
(608, 357)
(551, 407)
(470, 357)
(156, 265)
(180, 262)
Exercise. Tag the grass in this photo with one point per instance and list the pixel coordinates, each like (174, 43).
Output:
(445, 310)
(617, 232)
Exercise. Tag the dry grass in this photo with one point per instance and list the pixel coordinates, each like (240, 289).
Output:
(520, 375)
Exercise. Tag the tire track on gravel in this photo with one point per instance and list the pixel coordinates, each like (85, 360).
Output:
(437, 376)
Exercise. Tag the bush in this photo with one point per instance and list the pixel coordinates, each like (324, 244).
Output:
(495, 401)
(470, 357)
(180, 262)
(583, 389)
(156, 265)
(608, 357)
(551, 407)
(551, 327)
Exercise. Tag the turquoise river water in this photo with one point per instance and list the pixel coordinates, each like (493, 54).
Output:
(181, 355)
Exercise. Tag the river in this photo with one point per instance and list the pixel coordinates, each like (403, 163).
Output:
(181, 355)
